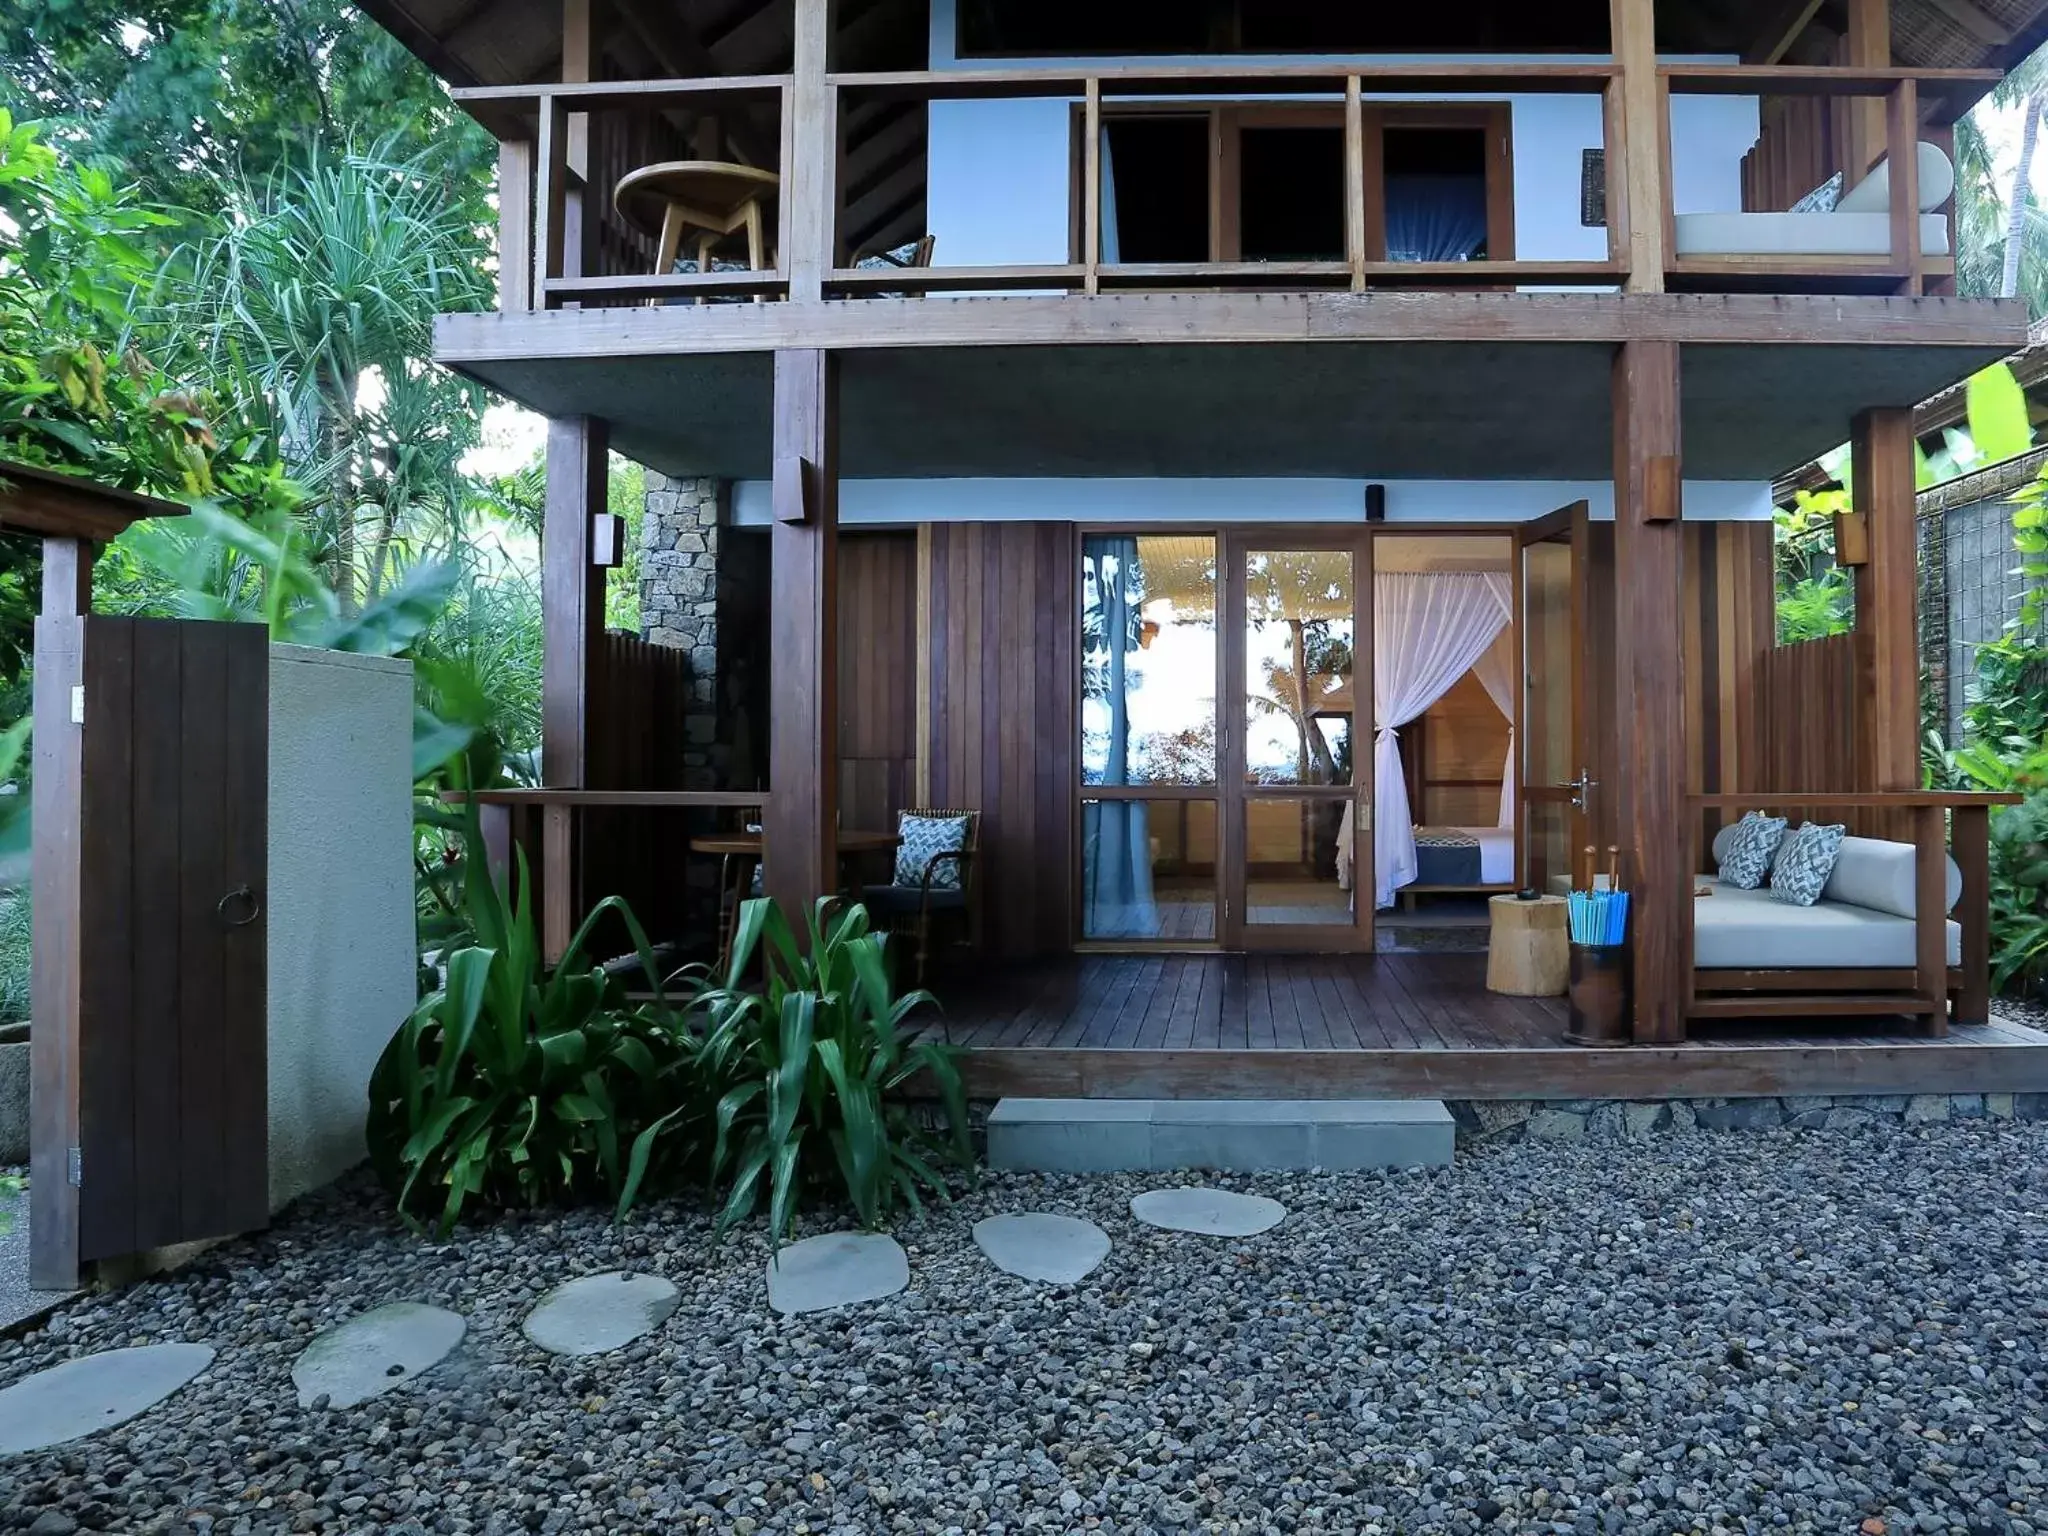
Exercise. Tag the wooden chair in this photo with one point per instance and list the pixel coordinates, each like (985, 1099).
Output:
(920, 256)
(913, 910)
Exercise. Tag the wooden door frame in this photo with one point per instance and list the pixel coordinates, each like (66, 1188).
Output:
(1570, 525)
(1236, 796)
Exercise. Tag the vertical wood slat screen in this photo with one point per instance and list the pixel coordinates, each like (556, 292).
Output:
(637, 740)
(878, 601)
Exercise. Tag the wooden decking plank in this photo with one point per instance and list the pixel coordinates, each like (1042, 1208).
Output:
(1395, 1021)
(1282, 980)
(1121, 1019)
(1233, 999)
(1411, 1000)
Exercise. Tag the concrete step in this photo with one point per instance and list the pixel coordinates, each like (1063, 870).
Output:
(1233, 1135)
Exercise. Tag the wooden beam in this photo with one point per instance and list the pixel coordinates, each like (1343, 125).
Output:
(38, 500)
(810, 169)
(515, 226)
(1781, 31)
(1091, 188)
(1869, 46)
(1984, 327)
(800, 820)
(1643, 105)
(1881, 474)
(572, 622)
(1650, 691)
(579, 218)
(1902, 152)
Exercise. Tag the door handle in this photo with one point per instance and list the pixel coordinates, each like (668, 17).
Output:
(242, 901)
(1580, 788)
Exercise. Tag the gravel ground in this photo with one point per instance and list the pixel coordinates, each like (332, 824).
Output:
(1710, 1331)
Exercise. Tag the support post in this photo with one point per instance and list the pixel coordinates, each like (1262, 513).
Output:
(1641, 136)
(1868, 44)
(1649, 552)
(515, 226)
(572, 620)
(801, 819)
(811, 176)
(1881, 475)
(579, 216)
(56, 855)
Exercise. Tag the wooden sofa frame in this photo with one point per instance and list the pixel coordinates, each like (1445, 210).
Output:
(1937, 823)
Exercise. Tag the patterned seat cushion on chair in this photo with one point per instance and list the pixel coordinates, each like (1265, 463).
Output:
(923, 839)
(1746, 855)
(1805, 863)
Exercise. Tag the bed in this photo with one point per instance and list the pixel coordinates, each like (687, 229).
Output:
(1461, 858)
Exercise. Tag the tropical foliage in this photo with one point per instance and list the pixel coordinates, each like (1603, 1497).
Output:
(513, 1085)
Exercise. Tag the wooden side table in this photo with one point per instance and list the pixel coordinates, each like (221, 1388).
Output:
(1530, 951)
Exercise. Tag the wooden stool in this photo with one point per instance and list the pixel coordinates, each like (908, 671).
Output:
(1529, 954)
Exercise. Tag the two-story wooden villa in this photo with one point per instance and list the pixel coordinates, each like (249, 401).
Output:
(1266, 460)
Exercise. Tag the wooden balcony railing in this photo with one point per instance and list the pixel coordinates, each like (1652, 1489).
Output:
(566, 146)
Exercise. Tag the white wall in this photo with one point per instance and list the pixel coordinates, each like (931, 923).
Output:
(999, 192)
(340, 900)
(1238, 501)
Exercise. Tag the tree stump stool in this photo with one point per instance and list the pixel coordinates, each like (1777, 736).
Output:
(1530, 951)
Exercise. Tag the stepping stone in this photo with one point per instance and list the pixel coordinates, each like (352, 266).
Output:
(94, 1392)
(836, 1270)
(1211, 1212)
(371, 1353)
(1040, 1246)
(596, 1314)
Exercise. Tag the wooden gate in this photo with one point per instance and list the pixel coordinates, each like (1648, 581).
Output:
(149, 1042)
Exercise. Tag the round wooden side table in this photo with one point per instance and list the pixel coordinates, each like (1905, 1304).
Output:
(1529, 954)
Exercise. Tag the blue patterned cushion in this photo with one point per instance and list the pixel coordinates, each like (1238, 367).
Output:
(1805, 863)
(1822, 199)
(1746, 859)
(923, 837)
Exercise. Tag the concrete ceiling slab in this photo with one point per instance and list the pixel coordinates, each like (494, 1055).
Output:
(1410, 410)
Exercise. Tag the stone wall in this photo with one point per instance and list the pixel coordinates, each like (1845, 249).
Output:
(1630, 1120)
(679, 539)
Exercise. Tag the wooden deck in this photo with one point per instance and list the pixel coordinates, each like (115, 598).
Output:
(1336, 1026)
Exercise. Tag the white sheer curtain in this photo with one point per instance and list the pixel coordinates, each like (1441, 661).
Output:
(1428, 629)
(1496, 673)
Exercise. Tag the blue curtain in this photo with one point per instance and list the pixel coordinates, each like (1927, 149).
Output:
(1435, 218)
(1116, 843)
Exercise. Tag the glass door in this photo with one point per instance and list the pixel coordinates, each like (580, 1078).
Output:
(1296, 751)
(1558, 781)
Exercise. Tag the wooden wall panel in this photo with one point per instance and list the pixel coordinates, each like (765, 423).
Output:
(1464, 746)
(878, 601)
(1727, 601)
(1002, 658)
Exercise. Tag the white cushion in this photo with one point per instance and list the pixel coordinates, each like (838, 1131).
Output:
(1801, 234)
(1747, 931)
(1871, 872)
(1873, 194)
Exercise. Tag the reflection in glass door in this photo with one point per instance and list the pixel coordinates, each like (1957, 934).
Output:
(1298, 835)
(1149, 828)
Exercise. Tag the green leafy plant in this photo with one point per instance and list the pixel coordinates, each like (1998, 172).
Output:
(514, 1085)
(809, 1069)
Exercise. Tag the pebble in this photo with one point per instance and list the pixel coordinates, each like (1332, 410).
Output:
(1697, 1320)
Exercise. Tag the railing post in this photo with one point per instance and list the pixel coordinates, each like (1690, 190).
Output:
(551, 205)
(1091, 186)
(1902, 152)
(515, 226)
(1930, 914)
(1354, 181)
(1970, 841)
(810, 173)
(1642, 101)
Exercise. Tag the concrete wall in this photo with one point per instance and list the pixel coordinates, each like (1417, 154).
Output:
(879, 503)
(999, 189)
(341, 950)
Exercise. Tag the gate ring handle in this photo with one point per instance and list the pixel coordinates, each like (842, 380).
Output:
(240, 893)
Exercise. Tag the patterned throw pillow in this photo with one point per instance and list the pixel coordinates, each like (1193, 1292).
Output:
(1805, 863)
(922, 838)
(1747, 858)
(1821, 199)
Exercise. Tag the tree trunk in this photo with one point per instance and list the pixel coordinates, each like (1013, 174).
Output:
(2016, 209)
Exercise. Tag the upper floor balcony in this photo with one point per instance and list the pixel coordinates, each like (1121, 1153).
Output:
(1084, 178)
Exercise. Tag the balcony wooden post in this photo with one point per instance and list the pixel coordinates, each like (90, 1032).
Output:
(1867, 44)
(579, 218)
(1881, 474)
(1091, 187)
(1902, 154)
(515, 226)
(1354, 181)
(572, 622)
(1640, 135)
(810, 170)
(1970, 841)
(801, 819)
(1650, 685)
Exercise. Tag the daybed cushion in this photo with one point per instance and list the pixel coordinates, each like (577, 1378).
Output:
(1870, 872)
(1801, 234)
(1747, 931)
(1873, 194)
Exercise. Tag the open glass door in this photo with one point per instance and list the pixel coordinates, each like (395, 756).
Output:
(1558, 777)
(1297, 774)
